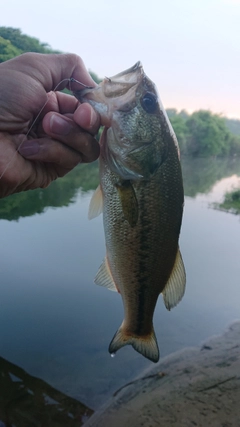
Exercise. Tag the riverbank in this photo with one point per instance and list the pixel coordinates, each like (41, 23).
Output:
(195, 387)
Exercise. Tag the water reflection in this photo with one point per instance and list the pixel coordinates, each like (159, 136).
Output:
(60, 193)
(57, 325)
(199, 176)
(29, 401)
(231, 200)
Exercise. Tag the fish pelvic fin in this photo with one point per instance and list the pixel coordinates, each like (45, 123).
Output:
(96, 204)
(104, 276)
(175, 287)
(145, 345)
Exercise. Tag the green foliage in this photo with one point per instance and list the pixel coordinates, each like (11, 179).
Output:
(231, 202)
(13, 43)
(207, 135)
(180, 128)
(95, 77)
(234, 146)
(233, 125)
(204, 134)
(171, 112)
(7, 50)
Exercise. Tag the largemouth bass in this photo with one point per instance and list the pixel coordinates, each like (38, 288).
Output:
(141, 196)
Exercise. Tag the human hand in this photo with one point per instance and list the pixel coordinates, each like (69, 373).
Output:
(64, 135)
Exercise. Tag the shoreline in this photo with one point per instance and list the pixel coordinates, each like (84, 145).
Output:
(196, 386)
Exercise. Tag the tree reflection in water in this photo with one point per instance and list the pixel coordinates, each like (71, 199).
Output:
(29, 401)
(199, 176)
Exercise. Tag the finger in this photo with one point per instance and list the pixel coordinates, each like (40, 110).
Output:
(51, 69)
(65, 103)
(68, 132)
(84, 114)
(59, 102)
(66, 150)
(16, 173)
(87, 118)
(48, 150)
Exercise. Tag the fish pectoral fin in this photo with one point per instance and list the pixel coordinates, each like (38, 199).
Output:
(96, 203)
(104, 276)
(175, 287)
(129, 202)
(145, 345)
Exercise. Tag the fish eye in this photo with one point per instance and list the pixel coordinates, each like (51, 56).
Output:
(149, 102)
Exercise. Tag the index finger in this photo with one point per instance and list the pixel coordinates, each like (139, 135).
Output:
(50, 69)
(60, 102)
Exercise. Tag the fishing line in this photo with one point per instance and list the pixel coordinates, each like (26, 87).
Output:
(69, 80)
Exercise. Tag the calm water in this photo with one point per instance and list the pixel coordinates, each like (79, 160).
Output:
(57, 325)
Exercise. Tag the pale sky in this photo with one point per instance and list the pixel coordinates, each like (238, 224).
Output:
(189, 48)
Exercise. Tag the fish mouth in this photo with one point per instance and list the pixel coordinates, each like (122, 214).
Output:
(121, 83)
(112, 87)
(115, 93)
(129, 71)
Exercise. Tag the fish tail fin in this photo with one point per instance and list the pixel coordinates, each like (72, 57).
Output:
(145, 345)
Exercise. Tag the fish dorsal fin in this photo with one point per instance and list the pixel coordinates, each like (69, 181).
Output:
(96, 203)
(129, 202)
(104, 276)
(175, 287)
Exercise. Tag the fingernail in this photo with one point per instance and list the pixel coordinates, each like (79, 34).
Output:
(29, 148)
(59, 125)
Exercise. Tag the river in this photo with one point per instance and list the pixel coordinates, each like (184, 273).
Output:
(57, 325)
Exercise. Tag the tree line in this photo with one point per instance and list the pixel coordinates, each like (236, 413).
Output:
(13, 43)
(204, 134)
(199, 134)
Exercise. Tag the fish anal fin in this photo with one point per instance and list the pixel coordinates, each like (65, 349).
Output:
(96, 203)
(129, 202)
(175, 287)
(104, 276)
(145, 345)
